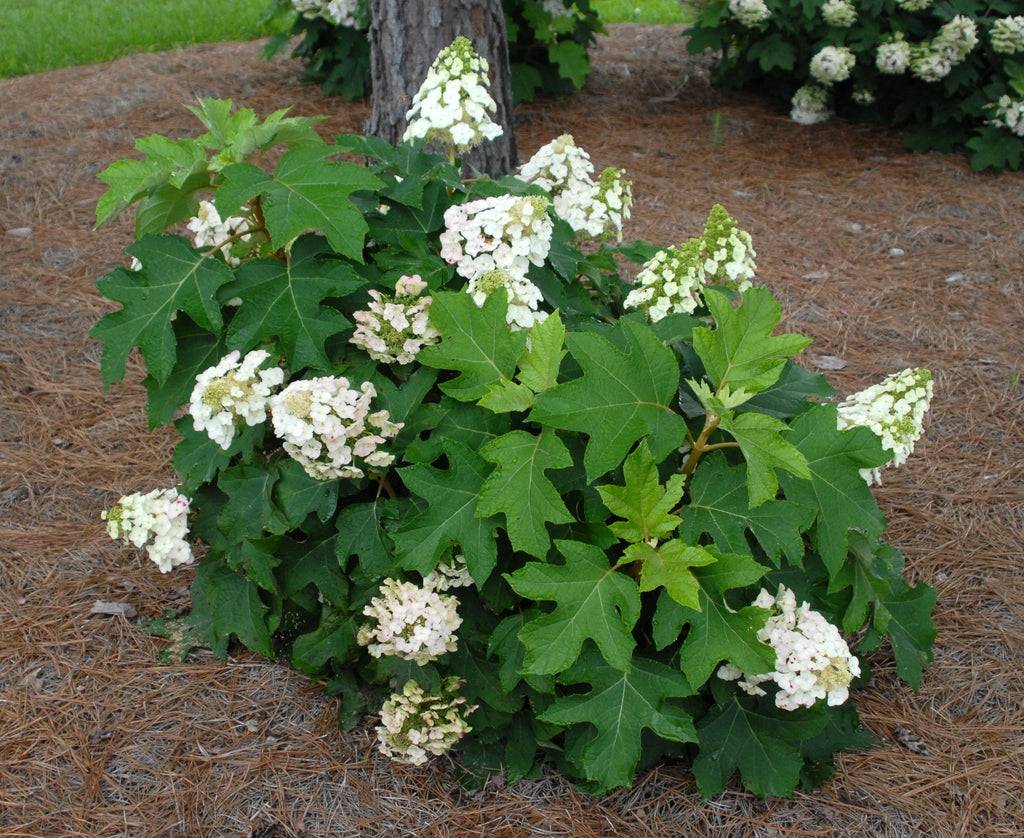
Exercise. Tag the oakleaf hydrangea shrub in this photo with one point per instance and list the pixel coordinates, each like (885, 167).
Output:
(948, 72)
(438, 451)
(548, 40)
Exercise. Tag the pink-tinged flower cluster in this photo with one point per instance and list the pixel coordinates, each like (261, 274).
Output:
(158, 521)
(395, 328)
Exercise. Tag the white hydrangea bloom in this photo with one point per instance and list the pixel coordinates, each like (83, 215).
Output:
(928, 64)
(328, 427)
(524, 298)
(211, 231)
(956, 39)
(863, 96)
(669, 283)
(894, 410)
(410, 622)
(451, 574)
(416, 725)
(612, 204)
(157, 521)
(893, 57)
(565, 171)
(504, 233)
(339, 12)
(556, 8)
(913, 5)
(810, 105)
(396, 328)
(812, 660)
(840, 13)
(727, 252)
(1009, 114)
(832, 64)
(453, 106)
(1007, 35)
(233, 392)
(749, 13)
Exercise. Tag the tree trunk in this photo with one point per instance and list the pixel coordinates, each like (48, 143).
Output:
(405, 38)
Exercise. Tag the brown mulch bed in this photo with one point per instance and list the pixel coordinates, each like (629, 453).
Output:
(97, 739)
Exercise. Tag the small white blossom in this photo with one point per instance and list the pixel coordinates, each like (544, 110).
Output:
(211, 231)
(524, 298)
(339, 12)
(669, 283)
(564, 170)
(453, 106)
(396, 328)
(863, 96)
(557, 8)
(328, 427)
(611, 206)
(450, 574)
(749, 13)
(839, 13)
(157, 521)
(810, 105)
(1009, 114)
(913, 5)
(233, 392)
(956, 39)
(1007, 35)
(812, 661)
(894, 410)
(832, 64)
(893, 57)
(727, 252)
(416, 725)
(504, 233)
(410, 622)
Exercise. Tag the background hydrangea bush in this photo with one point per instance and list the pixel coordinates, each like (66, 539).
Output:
(948, 72)
(439, 453)
(548, 41)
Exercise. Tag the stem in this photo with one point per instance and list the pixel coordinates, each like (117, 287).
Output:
(700, 444)
(387, 487)
(721, 445)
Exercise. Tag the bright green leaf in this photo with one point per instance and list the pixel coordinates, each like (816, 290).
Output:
(668, 566)
(642, 501)
(764, 449)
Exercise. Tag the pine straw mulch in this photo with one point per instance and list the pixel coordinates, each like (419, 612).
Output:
(97, 739)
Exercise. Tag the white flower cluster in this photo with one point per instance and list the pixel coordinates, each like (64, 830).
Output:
(492, 242)
(672, 280)
(157, 521)
(1009, 114)
(1007, 35)
(211, 231)
(416, 725)
(451, 574)
(913, 5)
(395, 329)
(338, 12)
(453, 106)
(328, 427)
(556, 8)
(812, 659)
(893, 57)
(564, 170)
(933, 60)
(863, 96)
(749, 13)
(832, 64)
(810, 105)
(410, 622)
(893, 409)
(840, 13)
(232, 392)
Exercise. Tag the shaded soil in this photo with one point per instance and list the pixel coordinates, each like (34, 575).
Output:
(97, 739)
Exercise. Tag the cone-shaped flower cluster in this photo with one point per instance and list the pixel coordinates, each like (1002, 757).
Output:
(812, 661)
(210, 231)
(450, 574)
(157, 521)
(832, 64)
(611, 205)
(672, 280)
(810, 105)
(839, 13)
(1009, 114)
(933, 60)
(395, 329)
(410, 622)
(453, 106)
(893, 57)
(328, 427)
(1007, 34)
(232, 392)
(416, 725)
(749, 13)
(894, 409)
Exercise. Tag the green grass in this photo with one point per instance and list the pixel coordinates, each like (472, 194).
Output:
(37, 35)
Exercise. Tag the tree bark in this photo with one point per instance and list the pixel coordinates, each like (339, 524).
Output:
(405, 38)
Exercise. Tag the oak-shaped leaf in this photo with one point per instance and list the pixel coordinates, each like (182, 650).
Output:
(644, 503)
(284, 301)
(669, 566)
(334, 638)
(621, 704)
(226, 603)
(519, 489)
(623, 396)
(250, 511)
(593, 600)
(175, 277)
(764, 448)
